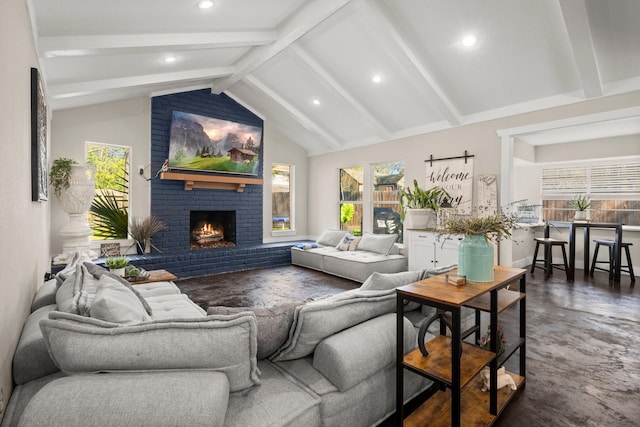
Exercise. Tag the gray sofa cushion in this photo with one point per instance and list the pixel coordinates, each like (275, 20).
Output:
(114, 302)
(174, 306)
(46, 295)
(97, 272)
(76, 293)
(21, 396)
(340, 357)
(273, 324)
(331, 237)
(31, 359)
(151, 399)
(279, 401)
(383, 281)
(317, 320)
(378, 243)
(222, 343)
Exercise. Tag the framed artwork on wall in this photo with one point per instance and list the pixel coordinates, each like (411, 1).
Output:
(39, 182)
(207, 144)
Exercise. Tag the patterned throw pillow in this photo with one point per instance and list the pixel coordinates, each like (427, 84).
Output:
(346, 242)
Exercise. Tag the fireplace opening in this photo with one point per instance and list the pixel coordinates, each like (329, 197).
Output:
(212, 229)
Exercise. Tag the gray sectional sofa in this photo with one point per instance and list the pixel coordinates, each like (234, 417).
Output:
(97, 352)
(339, 253)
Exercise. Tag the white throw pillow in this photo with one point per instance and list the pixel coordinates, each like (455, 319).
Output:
(345, 243)
(331, 237)
(378, 243)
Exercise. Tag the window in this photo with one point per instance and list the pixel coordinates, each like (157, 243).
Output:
(108, 216)
(614, 191)
(281, 197)
(388, 182)
(351, 187)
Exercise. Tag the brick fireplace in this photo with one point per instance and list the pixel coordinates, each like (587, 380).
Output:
(174, 204)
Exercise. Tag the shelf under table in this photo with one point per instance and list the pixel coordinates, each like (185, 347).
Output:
(436, 411)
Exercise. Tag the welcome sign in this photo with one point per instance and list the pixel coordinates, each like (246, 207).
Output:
(456, 176)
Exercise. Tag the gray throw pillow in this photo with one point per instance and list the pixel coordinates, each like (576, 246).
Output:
(378, 243)
(115, 303)
(98, 271)
(273, 324)
(331, 237)
(385, 281)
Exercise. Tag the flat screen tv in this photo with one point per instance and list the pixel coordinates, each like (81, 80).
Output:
(205, 144)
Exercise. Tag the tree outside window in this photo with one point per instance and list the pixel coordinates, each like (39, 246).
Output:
(108, 217)
(351, 187)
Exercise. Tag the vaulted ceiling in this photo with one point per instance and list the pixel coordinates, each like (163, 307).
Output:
(308, 66)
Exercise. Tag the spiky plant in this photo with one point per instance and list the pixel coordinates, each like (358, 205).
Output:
(142, 230)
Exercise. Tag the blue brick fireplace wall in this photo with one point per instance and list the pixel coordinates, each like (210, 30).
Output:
(172, 204)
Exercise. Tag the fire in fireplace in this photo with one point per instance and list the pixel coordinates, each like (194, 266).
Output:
(212, 229)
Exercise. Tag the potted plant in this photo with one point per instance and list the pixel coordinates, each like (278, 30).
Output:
(580, 203)
(60, 174)
(419, 206)
(475, 253)
(143, 230)
(117, 264)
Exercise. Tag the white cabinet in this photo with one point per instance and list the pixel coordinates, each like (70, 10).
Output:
(430, 249)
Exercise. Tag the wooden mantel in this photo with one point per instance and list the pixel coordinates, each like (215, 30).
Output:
(211, 181)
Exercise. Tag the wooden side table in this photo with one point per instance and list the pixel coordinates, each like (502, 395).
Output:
(156, 276)
(455, 364)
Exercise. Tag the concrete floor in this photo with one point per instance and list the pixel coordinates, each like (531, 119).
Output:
(583, 339)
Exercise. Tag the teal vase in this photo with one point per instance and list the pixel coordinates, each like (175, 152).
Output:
(475, 259)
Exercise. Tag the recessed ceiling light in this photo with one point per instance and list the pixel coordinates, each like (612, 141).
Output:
(376, 78)
(469, 40)
(316, 102)
(206, 4)
(170, 59)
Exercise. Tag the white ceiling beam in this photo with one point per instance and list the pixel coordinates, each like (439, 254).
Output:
(379, 21)
(92, 45)
(576, 20)
(95, 86)
(294, 28)
(326, 78)
(295, 113)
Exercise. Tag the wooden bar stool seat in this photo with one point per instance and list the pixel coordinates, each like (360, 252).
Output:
(547, 261)
(611, 244)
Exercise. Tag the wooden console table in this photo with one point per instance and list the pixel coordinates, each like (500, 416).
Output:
(455, 364)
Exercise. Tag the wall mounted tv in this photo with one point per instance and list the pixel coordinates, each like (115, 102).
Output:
(205, 144)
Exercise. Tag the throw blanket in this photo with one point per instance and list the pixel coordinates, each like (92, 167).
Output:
(305, 246)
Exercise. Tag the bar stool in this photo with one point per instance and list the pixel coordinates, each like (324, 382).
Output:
(547, 261)
(610, 244)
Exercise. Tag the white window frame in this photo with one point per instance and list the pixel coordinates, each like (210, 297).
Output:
(292, 203)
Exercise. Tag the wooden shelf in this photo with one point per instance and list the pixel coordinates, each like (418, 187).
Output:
(438, 364)
(214, 182)
(436, 411)
(506, 299)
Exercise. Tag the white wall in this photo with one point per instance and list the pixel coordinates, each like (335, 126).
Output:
(125, 122)
(24, 254)
(280, 149)
(479, 139)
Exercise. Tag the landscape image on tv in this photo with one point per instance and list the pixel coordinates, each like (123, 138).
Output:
(206, 144)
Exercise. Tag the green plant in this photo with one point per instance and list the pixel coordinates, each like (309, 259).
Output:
(580, 202)
(494, 227)
(109, 210)
(143, 230)
(131, 271)
(419, 198)
(114, 263)
(346, 212)
(60, 174)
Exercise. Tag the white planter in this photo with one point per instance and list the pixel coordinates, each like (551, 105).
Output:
(420, 219)
(581, 216)
(117, 271)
